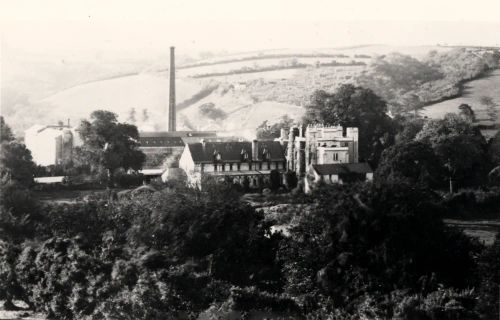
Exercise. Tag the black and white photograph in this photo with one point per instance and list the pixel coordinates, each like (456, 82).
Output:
(249, 160)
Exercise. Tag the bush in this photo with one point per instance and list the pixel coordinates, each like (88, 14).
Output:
(369, 238)
(472, 203)
(125, 180)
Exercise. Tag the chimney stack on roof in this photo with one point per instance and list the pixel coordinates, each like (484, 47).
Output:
(255, 150)
(171, 101)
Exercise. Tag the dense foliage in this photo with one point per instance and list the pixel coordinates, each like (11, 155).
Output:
(459, 147)
(5, 131)
(210, 111)
(368, 250)
(108, 145)
(16, 163)
(354, 250)
(270, 132)
(351, 106)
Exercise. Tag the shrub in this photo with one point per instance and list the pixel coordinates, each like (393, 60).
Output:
(125, 180)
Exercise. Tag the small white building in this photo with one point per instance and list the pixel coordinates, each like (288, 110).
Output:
(50, 145)
(337, 173)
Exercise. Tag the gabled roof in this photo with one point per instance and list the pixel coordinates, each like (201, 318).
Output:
(342, 168)
(234, 151)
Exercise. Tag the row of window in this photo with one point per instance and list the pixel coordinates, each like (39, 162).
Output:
(237, 166)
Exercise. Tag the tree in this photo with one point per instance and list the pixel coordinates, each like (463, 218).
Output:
(275, 180)
(494, 149)
(291, 179)
(494, 155)
(466, 112)
(5, 131)
(412, 160)
(409, 127)
(131, 116)
(16, 163)
(270, 132)
(489, 269)
(412, 103)
(352, 106)
(109, 144)
(460, 148)
(370, 239)
(145, 115)
(212, 112)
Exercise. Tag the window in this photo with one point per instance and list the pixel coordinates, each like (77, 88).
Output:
(223, 167)
(243, 155)
(239, 166)
(260, 165)
(336, 157)
(230, 167)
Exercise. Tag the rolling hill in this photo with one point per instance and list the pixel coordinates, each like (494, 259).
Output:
(273, 83)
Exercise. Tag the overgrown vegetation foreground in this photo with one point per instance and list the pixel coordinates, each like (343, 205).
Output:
(372, 250)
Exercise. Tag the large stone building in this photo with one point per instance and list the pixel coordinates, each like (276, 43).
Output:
(241, 162)
(51, 145)
(164, 149)
(326, 154)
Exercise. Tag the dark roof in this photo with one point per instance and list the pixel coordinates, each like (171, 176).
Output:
(234, 151)
(157, 134)
(161, 141)
(340, 168)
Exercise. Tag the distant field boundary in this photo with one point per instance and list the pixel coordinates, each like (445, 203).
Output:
(460, 85)
(203, 93)
(265, 57)
(277, 68)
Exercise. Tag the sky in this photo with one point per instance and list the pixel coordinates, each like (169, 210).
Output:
(235, 25)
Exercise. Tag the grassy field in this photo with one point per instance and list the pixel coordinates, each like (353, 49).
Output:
(473, 91)
(483, 230)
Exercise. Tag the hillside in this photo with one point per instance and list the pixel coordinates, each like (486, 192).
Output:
(247, 87)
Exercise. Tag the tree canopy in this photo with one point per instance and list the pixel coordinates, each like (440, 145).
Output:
(270, 132)
(351, 106)
(16, 163)
(411, 160)
(372, 238)
(5, 131)
(460, 147)
(109, 144)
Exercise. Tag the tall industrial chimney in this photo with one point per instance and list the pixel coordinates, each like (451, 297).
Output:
(171, 104)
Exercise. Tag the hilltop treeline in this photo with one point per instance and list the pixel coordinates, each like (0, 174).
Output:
(268, 56)
(294, 64)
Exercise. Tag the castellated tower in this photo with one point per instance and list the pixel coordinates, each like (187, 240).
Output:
(319, 144)
(352, 133)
